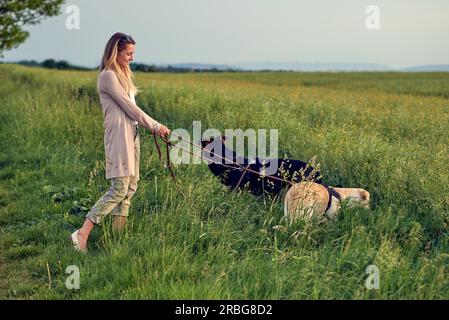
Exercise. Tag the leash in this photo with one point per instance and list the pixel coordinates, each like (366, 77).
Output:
(169, 165)
(234, 166)
(232, 162)
(241, 177)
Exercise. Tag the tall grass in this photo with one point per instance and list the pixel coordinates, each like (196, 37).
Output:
(385, 132)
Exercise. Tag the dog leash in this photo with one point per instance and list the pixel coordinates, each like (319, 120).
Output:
(233, 164)
(168, 144)
(241, 177)
(170, 168)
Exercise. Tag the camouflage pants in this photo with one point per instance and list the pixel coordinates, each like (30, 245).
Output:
(118, 198)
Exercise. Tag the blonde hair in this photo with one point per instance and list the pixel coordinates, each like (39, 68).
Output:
(117, 43)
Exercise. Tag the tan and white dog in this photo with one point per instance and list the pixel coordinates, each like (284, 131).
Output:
(310, 200)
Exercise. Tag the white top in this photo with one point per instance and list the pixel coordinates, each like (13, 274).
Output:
(133, 99)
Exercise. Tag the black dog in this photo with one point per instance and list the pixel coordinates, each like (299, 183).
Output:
(221, 161)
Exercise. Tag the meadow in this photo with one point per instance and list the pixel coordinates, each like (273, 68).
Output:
(385, 132)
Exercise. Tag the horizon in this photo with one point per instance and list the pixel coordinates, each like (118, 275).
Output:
(264, 65)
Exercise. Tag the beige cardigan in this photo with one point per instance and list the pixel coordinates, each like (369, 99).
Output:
(120, 112)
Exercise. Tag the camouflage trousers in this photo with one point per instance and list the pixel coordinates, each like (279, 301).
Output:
(118, 198)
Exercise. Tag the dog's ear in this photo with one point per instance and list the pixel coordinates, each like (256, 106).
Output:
(364, 195)
(204, 143)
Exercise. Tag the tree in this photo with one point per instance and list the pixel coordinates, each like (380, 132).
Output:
(142, 67)
(14, 14)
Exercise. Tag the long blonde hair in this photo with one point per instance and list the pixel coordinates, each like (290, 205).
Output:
(116, 43)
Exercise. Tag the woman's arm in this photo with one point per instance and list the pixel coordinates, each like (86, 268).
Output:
(109, 84)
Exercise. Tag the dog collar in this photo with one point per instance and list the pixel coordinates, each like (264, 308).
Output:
(332, 193)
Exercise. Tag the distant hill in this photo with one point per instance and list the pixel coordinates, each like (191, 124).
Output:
(300, 66)
(428, 68)
(199, 67)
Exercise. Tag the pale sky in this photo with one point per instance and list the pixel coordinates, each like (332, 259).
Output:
(412, 32)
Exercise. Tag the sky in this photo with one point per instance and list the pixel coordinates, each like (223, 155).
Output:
(411, 32)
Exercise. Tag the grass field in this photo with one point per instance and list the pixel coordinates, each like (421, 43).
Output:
(385, 132)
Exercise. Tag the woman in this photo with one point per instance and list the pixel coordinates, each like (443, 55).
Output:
(121, 138)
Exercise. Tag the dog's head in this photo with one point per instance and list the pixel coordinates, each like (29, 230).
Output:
(356, 197)
(215, 150)
(365, 198)
(212, 141)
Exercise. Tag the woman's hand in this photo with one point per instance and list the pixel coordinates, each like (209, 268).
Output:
(163, 131)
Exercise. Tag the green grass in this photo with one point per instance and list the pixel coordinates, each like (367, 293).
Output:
(385, 132)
